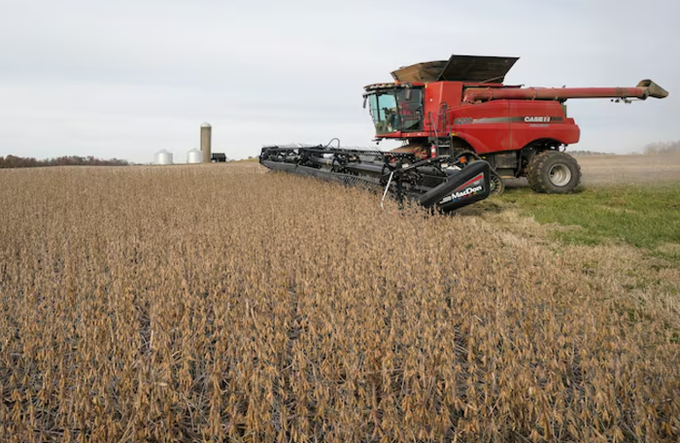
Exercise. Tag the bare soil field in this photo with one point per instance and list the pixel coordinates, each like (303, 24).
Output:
(226, 303)
(603, 170)
(629, 169)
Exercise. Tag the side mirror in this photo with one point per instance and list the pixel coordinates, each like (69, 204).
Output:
(408, 94)
(365, 98)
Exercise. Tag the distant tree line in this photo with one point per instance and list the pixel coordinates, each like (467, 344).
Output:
(12, 161)
(590, 153)
(663, 148)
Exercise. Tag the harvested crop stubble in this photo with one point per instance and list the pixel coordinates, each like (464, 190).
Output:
(213, 303)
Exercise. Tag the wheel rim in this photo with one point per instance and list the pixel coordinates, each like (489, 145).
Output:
(494, 184)
(560, 175)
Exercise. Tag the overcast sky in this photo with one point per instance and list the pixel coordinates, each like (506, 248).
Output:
(126, 78)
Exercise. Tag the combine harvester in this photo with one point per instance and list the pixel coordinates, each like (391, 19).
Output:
(463, 132)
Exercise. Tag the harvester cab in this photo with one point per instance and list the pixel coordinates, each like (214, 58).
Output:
(395, 108)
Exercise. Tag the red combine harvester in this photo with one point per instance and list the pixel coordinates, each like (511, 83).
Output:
(452, 115)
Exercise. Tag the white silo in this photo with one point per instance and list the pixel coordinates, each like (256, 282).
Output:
(163, 157)
(194, 156)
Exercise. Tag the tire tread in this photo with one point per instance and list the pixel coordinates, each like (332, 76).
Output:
(536, 171)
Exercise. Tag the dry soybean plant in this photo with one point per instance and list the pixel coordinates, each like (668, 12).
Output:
(218, 303)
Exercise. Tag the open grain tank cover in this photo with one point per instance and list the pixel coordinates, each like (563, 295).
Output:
(464, 68)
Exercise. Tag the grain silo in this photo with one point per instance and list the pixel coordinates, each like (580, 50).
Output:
(194, 156)
(206, 135)
(163, 157)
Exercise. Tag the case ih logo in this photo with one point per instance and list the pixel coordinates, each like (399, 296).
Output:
(537, 119)
(472, 187)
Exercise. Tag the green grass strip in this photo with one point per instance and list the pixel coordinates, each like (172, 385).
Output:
(643, 216)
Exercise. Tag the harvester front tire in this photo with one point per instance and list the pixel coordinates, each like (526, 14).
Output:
(496, 184)
(554, 172)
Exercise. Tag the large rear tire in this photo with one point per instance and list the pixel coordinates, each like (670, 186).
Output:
(553, 172)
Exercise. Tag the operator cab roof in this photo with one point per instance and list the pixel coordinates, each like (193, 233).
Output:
(391, 85)
(461, 68)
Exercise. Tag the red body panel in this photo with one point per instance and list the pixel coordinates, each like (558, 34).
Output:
(491, 126)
